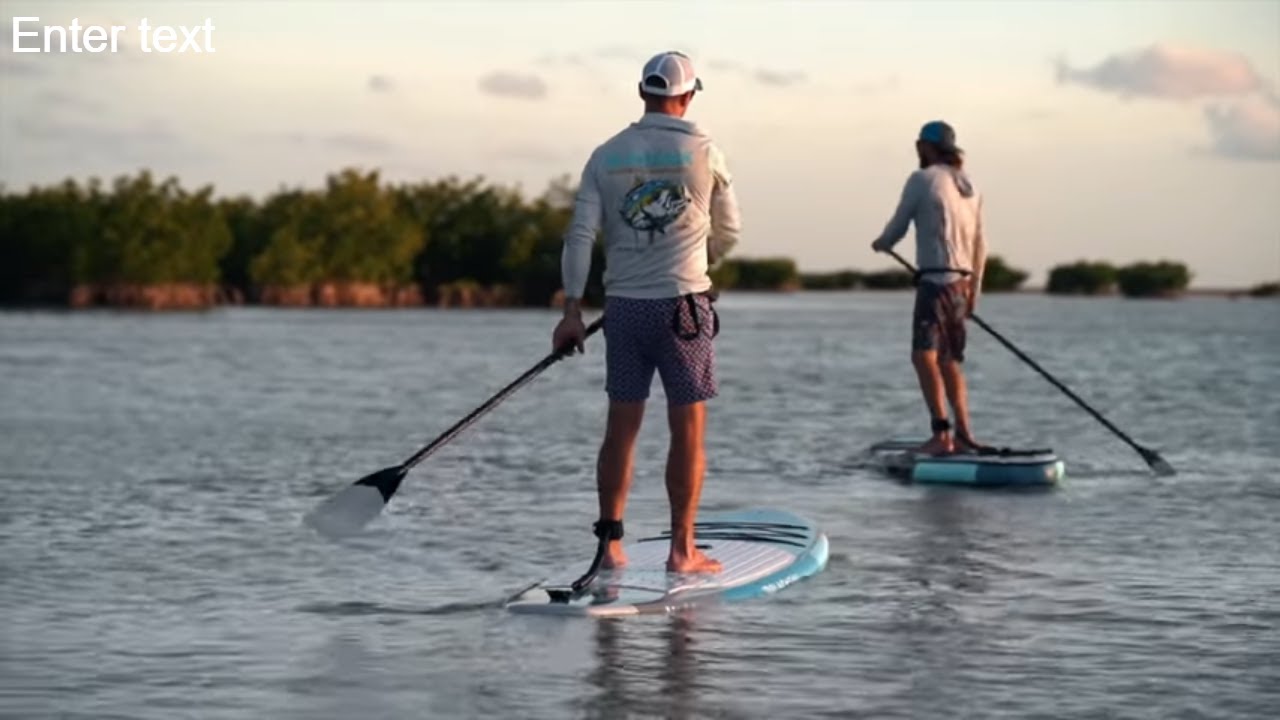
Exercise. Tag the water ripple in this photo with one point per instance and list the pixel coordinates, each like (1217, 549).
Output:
(156, 469)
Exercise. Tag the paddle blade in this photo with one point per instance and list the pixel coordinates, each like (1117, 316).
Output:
(386, 481)
(357, 505)
(1158, 463)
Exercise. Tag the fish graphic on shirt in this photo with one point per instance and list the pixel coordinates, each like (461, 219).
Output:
(652, 206)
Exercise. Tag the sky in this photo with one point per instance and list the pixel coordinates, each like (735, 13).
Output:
(1118, 131)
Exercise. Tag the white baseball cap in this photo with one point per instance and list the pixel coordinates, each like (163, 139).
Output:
(669, 74)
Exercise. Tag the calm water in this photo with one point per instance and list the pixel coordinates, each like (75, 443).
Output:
(154, 469)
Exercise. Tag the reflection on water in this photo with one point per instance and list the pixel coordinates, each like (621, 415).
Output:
(609, 676)
(628, 662)
(154, 470)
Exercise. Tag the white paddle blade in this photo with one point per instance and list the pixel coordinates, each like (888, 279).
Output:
(346, 513)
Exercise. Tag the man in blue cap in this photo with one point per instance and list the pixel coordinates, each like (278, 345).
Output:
(950, 256)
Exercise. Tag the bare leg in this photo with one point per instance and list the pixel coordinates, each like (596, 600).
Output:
(686, 465)
(613, 469)
(931, 384)
(957, 393)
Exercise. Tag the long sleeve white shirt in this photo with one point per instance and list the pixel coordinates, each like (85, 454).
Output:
(947, 211)
(661, 192)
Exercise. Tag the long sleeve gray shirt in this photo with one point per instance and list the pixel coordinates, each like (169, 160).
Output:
(662, 194)
(947, 211)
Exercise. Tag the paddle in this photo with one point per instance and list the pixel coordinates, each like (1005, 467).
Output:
(1153, 459)
(347, 512)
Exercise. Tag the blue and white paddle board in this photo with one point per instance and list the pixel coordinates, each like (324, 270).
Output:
(1006, 468)
(762, 551)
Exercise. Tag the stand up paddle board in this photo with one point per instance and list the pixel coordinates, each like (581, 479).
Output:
(1003, 468)
(761, 551)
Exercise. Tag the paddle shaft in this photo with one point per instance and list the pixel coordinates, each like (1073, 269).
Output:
(1145, 452)
(493, 402)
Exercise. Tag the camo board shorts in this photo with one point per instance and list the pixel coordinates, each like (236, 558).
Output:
(938, 319)
(642, 336)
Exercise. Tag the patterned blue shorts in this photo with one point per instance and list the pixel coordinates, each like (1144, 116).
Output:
(646, 335)
(938, 319)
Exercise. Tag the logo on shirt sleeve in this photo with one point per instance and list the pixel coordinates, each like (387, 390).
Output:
(653, 205)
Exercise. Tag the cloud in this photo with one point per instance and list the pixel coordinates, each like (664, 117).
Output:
(776, 78)
(381, 84)
(152, 133)
(587, 58)
(119, 141)
(20, 67)
(762, 76)
(359, 142)
(514, 85)
(1167, 71)
(1246, 129)
(555, 60)
(59, 99)
(532, 153)
(621, 52)
(533, 87)
(727, 66)
(347, 141)
(1242, 114)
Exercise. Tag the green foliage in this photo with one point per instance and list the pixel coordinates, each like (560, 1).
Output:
(839, 280)
(141, 232)
(776, 273)
(888, 280)
(999, 277)
(358, 229)
(1271, 289)
(1158, 279)
(154, 234)
(352, 231)
(42, 233)
(724, 275)
(1082, 278)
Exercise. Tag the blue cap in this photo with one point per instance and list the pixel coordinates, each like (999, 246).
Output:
(940, 134)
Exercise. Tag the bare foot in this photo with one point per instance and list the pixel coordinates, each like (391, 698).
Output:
(698, 562)
(937, 446)
(968, 444)
(614, 557)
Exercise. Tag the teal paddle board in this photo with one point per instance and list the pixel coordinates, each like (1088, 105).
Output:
(1004, 467)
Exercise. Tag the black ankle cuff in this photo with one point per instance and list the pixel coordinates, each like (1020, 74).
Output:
(608, 529)
(941, 425)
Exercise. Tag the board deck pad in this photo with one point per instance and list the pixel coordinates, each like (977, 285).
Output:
(761, 551)
(1011, 467)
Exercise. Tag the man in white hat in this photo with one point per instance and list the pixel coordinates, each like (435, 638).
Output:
(662, 195)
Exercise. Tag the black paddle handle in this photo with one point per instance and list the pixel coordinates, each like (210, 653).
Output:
(494, 401)
(1045, 373)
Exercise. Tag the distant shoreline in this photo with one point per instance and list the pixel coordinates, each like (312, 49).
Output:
(330, 296)
(149, 244)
